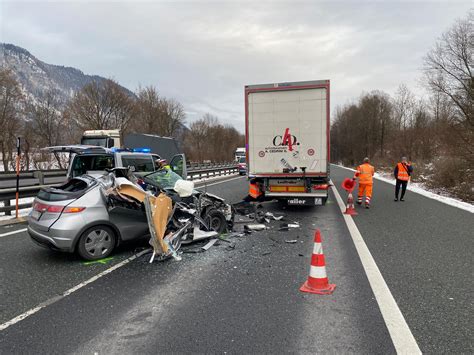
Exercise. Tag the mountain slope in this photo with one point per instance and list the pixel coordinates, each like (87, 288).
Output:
(37, 77)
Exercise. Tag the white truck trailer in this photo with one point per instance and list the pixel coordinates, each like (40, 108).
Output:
(287, 141)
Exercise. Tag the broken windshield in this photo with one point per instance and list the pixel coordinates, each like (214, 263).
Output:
(163, 179)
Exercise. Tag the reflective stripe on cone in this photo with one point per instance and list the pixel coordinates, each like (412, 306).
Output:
(317, 280)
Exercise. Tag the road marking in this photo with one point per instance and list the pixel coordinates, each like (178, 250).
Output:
(82, 284)
(13, 232)
(221, 182)
(68, 292)
(402, 338)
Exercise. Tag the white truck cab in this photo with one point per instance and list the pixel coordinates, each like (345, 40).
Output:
(102, 138)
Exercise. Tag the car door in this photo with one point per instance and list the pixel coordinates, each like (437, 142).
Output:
(178, 165)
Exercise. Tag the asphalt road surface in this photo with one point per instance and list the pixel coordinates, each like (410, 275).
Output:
(424, 249)
(246, 299)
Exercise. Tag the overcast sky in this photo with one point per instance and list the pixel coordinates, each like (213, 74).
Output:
(203, 53)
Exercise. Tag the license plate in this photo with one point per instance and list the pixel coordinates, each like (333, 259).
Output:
(318, 201)
(36, 214)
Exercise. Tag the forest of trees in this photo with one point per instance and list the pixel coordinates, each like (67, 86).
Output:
(436, 133)
(48, 121)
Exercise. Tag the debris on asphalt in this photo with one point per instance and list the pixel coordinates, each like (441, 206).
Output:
(266, 253)
(293, 241)
(287, 226)
(269, 214)
(255, 227)
(209, 244)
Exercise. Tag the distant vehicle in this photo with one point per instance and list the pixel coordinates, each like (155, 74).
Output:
(287, 127)
(93, 160)
(242, 166)
(102, 138)
(239, 153)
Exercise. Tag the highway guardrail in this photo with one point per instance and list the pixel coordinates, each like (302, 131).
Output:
(195, 171)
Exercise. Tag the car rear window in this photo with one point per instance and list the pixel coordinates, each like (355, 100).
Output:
(141, 163)
(242, 160)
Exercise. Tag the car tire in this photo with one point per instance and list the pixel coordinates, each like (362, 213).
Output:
(96, 242)
(216, 221)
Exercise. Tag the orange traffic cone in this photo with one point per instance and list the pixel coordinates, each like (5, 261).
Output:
(350, 210)
(317, 280)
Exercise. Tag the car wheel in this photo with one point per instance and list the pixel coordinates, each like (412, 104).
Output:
(96, 243)
(216, 221)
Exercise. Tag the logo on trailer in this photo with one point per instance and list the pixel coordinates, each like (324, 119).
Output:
(283, 143)
(311, 152)
(261, 154)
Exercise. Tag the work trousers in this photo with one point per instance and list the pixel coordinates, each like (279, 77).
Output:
(367, 189)
(403, 184)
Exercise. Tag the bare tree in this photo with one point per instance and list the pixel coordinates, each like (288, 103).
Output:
(172, 117)
(10, 105)
(48, 121)
(102, 105)
(156, 114)
(448, 71)
(208, 139)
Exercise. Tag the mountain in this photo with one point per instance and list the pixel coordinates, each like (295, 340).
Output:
(37, 77)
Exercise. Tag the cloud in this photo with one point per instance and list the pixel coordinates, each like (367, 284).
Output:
(203, 53)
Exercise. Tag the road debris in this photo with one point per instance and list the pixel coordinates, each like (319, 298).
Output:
(287, 226)
(255, 227)
(209, 244)
(293, 241)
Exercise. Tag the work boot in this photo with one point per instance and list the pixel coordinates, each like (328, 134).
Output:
(367, 206)
(359, 203)
(395, 199)
(402, 199)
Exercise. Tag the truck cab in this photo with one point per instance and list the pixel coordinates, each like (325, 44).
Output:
(102, 138)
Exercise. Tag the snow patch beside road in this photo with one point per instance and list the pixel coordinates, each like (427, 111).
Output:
(421, 189)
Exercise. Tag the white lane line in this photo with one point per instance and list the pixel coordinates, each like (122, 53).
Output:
(13, 232)
(68, 292)
(221, 182)
(402, 338)
(82, 284)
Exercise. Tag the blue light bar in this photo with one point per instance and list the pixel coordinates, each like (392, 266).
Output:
(142, 150)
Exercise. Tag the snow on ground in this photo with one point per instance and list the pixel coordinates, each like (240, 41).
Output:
(22, 213)
(419, 188)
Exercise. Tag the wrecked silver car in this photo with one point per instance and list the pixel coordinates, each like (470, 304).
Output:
(93, 214)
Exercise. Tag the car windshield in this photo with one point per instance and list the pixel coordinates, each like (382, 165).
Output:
(242, 160)
(163, 179)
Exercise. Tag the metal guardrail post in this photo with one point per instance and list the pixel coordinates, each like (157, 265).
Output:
(40, 176)
(7, 203)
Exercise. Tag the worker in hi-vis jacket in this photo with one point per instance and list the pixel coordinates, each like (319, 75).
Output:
(365, 172)
(402, 173)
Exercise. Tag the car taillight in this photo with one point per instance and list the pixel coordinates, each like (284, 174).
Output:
(73, 209)
(42, 207)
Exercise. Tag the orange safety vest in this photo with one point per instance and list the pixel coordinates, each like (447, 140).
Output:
(366, 171)
(254, 191)
(402, 172)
